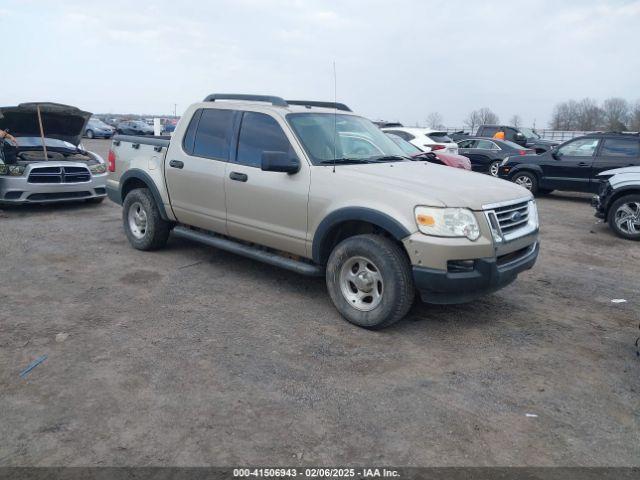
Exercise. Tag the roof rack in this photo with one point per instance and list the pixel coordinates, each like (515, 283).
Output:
(277, 101)
(313, 103)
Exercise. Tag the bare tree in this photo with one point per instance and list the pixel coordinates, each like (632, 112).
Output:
(590, 115)
(565, 116)
(616, 114)
(483, 116)
(472, 121)
(434, 120)
(634, 120)
(516, 121)
(487, 117)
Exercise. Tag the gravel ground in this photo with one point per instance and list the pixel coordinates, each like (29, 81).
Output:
(193, 356)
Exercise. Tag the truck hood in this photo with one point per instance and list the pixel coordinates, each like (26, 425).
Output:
(62, 122)
(438, 185)
(617, 171)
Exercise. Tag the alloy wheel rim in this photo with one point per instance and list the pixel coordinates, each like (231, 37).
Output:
(361, 283)
(525, 182)
(493, 169)
(137, 220)
(627, 218)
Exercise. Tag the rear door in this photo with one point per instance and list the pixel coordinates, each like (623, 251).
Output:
(569, 167)
(195, 169)
(267, 208)
(615, 152)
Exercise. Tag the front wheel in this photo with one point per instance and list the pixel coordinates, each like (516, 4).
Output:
(527, 180)
(494, 167)
(90, 134)
(624, 217)
(143, 225)
(370, 281)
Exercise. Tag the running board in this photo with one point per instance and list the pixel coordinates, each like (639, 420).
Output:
(255, 253)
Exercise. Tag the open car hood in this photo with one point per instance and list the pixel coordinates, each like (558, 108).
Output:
(63, 122)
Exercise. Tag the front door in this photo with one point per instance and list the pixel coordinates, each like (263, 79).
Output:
(267, 208)
(195, 171)
(569, 167)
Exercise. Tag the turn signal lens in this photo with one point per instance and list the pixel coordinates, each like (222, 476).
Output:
(425, 220)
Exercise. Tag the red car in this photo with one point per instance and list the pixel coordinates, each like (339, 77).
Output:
(448, 159)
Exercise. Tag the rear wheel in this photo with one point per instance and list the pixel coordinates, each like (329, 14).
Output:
(90, 134)
(369, 280)
(527, 180)
(143, 225)
(624, 217)
(494, 167)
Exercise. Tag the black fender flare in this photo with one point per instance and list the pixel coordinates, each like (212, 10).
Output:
(375, 217)
(144, 177)
(527, 167)
(619, 193)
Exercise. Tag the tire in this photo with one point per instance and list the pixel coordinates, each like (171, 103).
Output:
(494, 167)
(95, 200)
(627, 207)
(143, 225)
(90, 134)
(381, 268)
(527, 180)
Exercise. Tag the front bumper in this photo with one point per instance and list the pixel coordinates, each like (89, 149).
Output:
(485, 276)
(17, 190)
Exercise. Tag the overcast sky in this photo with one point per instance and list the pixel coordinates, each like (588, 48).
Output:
(396, 60)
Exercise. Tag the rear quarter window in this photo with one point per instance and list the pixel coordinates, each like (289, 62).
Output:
(620, 147)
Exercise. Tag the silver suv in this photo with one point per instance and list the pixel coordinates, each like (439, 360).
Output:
(312, 187)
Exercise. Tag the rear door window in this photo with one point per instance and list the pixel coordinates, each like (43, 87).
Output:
(213, 134)
(620, 147)
(260, 133)
(485, 145)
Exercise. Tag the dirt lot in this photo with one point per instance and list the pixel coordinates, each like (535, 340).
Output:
(192, 356)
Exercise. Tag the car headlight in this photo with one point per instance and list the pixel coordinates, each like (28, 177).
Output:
(12, 170)
(533, 214)
(447, 222)
(98, 168)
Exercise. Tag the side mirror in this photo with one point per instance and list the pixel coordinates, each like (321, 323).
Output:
(280, 162)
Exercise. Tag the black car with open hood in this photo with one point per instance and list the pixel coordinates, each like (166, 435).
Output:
(62, 122)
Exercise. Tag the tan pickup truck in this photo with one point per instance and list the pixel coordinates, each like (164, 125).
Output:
(314, 188)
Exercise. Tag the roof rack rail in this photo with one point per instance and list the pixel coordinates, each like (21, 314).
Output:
(313, 103)
(277, 101)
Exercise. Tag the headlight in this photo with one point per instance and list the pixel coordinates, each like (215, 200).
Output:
(533, 214)
(98, 168)
(447, 222)
(12, 170)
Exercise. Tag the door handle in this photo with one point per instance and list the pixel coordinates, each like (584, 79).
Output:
(238, 177)
(176, 164)
(583, 164)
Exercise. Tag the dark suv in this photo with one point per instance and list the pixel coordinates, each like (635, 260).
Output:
(574, 165)
(522, 136)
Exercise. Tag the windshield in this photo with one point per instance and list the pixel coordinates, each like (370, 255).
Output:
(527, 132)
(406, 147)
(439, 137)
(28, 142)
(358, 139)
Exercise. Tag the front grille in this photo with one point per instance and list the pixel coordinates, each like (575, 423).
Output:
(58, 195)
(512, 217)
(59, 175)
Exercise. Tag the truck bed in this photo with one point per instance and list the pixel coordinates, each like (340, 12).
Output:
(156, 141)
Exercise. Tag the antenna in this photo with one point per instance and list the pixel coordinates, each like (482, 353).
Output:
(335, 115)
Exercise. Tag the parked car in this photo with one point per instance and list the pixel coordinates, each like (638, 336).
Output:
(459, 135)
(134, 127)
(574, 165)
(525, 137)
(448, 159)
(271, 181)
(618, 201)
(168, 127)
(486, 154)
(96, 128)
(65, 172)
(425, 139)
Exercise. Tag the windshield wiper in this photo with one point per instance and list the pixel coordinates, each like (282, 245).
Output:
(389, 158)
(344, 161)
